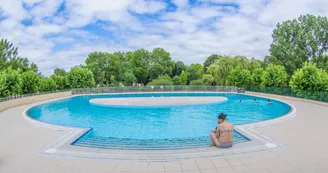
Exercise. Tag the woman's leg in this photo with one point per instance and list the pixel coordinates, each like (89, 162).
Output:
(214, 139)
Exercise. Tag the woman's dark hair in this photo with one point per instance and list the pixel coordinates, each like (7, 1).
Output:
(222, 116)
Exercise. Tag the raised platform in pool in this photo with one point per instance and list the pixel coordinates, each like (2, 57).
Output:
(156, 101)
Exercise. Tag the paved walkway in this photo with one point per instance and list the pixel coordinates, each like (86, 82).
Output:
(304, 138)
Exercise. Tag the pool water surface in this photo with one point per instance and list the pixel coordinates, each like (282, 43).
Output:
(138, 127)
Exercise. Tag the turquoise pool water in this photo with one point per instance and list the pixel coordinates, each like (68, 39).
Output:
(154, 124)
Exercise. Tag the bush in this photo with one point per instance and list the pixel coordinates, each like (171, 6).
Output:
(196, 82)
(161, 80)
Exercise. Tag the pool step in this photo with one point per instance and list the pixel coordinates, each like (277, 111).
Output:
(149, 144)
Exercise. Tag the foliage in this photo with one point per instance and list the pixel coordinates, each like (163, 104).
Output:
(299, 40)
(220, 70)
(255, 64)
(10, 83)
(195, 71)
(155, 71)
(271, 60)
(239, 77)
(80, 77)
(208, 79)
(274, 76)
(310, 78)
(210, 60)
(256, 77)
(196, 82)
(129, 79)
(30, 82)
(184, 77)
(60, 72)
(9, 58)
(47, 84)
(161, 80)
(178, 68)
(61, 81)
(162, 57)
(176, 80)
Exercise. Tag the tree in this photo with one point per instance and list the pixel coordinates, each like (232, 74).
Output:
(60, 72)
(210, 60)
(47, 84)
(176, 80)
(7, 52)
(256, 77)
(241, 62)
(80, 77)
(221, 70)
(208, 79)
(184, 77)
(178, 68)
(322, 62)
(155, 71)
(161, 80)
(196, 82)
(10, 82)
(162, 57)
(255, 64)
(128, 79)
(30, 82)
(140, 59)
(271, 60)
(239, 77)
(310, 78)
(274, 76)
(299, 40)
(195, 71)
(61, 81)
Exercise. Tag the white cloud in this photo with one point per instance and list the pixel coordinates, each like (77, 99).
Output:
(190, 33)
(142, 6)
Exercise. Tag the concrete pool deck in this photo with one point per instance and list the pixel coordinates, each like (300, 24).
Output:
(303, 138)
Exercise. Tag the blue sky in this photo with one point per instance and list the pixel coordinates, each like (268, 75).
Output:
(61, 33)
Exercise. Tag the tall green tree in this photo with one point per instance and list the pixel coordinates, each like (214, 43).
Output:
(162, 57)
(221, 70)
(299, 40)
(208, 79)
(156, 70)
(241, 62)
(79, 77)
(310, 78)
(210, 60)
(178, 68)
(239, 77)
(195, 71)
(274, 76)
(30, 82)
(128, 79)
(141, 60)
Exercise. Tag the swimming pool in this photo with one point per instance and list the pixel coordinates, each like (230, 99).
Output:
(154, 127)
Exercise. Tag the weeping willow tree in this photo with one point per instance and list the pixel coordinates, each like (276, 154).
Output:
(220, 70)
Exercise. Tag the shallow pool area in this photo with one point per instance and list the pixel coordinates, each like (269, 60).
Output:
(155, 127)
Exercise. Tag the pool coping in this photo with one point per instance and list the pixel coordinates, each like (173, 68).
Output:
(62, 147)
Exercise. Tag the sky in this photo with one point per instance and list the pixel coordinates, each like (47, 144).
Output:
(61, 33)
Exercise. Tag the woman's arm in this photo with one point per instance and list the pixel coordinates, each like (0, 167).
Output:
(217, 133)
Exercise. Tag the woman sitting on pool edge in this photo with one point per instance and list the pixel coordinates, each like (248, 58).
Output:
(222, 136)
